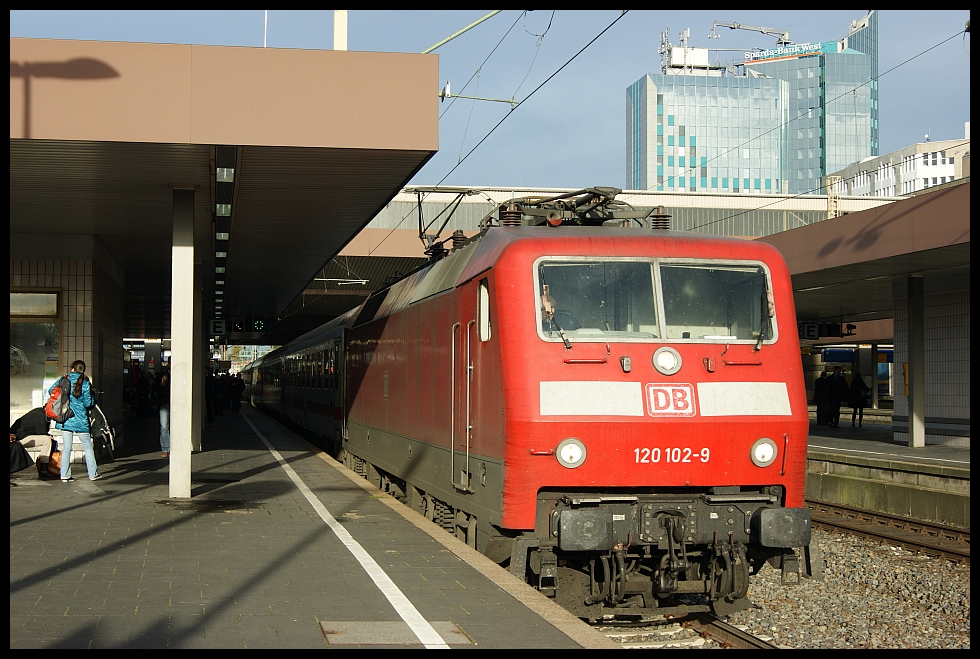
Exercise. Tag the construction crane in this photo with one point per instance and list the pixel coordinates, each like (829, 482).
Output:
(782, 36)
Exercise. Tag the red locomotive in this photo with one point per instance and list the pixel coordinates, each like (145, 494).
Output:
(619, 413)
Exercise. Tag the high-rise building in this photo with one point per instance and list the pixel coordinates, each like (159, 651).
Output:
(829, 111)
(863, 37)
(693, 133)
(780, 121)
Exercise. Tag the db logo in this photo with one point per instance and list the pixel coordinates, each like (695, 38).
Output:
(670, 400)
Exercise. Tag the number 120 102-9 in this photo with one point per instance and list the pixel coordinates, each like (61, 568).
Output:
(654, 455)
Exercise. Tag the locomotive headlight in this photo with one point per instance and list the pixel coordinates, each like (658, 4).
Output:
(763, 452)
(570, 453)
(667, 361)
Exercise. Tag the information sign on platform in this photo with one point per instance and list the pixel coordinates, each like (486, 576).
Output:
(808, 331)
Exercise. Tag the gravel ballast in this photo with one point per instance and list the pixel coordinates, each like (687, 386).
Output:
(872, 596)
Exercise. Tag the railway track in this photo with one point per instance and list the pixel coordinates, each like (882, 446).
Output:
(688, 630)
(927, 538)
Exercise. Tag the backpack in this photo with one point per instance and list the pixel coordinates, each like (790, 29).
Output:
(103, 435)
(58, 406)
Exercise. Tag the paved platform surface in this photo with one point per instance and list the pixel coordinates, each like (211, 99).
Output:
(875, 442)
(248, 562)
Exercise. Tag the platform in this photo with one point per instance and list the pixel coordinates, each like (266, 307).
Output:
(862, 467)
(250, 561)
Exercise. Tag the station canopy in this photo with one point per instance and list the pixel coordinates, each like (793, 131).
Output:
(289, 153)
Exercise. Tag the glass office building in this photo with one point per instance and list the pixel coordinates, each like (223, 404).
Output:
(788, 117)
(829, 111)
(708, 133)
(863, 38)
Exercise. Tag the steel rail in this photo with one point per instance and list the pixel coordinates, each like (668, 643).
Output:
(728, 635)
(707, 625)
(928, 538)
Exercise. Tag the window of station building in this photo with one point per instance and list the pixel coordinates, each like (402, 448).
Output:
(35, 349)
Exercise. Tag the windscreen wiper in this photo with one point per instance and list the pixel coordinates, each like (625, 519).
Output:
(548, 306)
(561, 332)
(767, 312)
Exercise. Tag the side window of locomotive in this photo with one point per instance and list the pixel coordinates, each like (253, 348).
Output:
(483, 311)
(597, 299)
(721, 302)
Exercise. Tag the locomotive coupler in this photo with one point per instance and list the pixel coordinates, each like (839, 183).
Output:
(674, 524)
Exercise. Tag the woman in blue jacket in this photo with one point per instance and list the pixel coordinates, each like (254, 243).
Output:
(81, 400)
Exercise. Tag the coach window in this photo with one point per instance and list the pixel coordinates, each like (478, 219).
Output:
(483, 311)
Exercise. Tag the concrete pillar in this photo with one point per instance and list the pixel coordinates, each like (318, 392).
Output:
(874, 376)
(917, 362)
(340, 29)
(182, 384)
(197, 405)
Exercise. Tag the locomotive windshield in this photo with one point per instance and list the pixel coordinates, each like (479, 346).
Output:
(602, 299)
(715, 301)
(597, 299)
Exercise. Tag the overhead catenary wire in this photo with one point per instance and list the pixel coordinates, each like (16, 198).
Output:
(791, 120)
(483, 63)
(533, 92)
(537, 49)
(512, 110)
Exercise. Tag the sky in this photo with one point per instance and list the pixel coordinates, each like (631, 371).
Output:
(572, 132)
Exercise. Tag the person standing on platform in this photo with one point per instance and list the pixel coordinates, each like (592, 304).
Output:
(32, 430)
(234, 398)
(143, 408)
(161, 391)
(858, 399)
(820, 397)
(80, 400)
(837, 393)
(218, 395)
